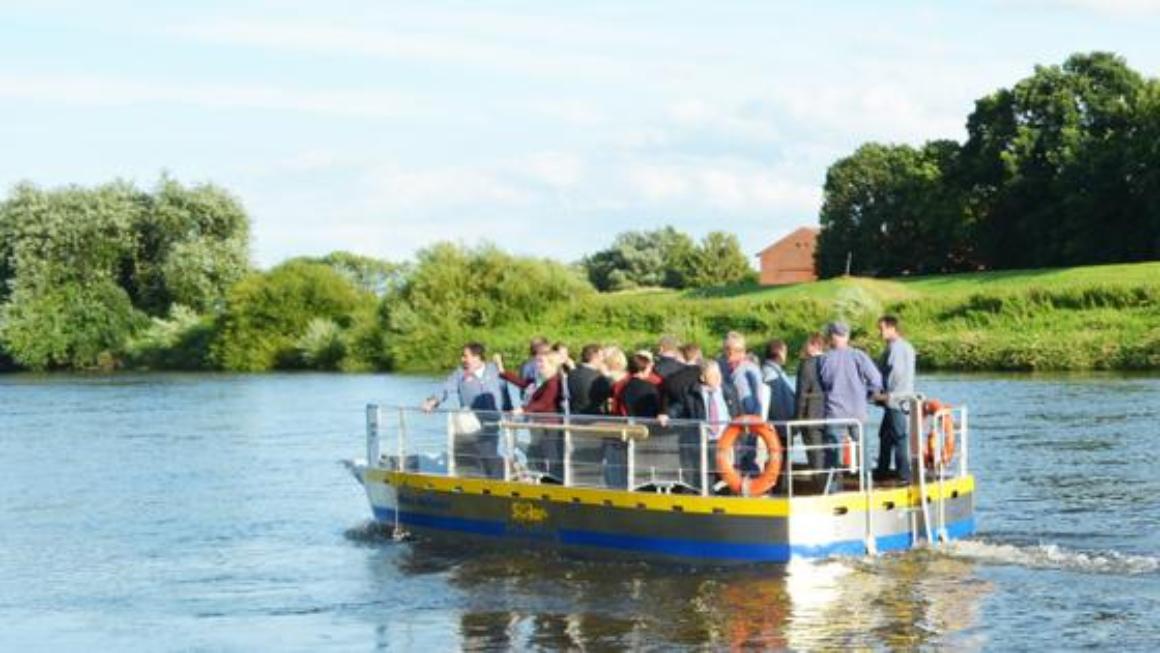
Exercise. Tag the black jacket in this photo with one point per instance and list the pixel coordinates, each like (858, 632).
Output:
(667, 365)
(809, 398)
(680, 383)
(588, 391)
(692, 404)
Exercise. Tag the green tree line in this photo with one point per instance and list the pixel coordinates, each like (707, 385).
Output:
(113, 276)
(1061, 169)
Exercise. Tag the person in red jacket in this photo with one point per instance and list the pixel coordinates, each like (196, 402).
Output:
(546, 451)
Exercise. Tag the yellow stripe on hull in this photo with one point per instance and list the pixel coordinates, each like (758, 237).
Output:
(903, 497)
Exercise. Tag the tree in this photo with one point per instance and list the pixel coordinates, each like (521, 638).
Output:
(1047, 163)
(718, 261)
(372, 275)
(63, 254)
(192, 245)
(888, 208)
(638, 259)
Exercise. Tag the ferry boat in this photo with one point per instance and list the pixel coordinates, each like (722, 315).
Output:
(545, 481)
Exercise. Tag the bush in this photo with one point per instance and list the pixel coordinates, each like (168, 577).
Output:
(266, 314)
(180, 342)
(77, 326)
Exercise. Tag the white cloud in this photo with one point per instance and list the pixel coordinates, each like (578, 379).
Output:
(524, 58)
(418, 191)
(108, 91)
(557, 169)
(732, 186)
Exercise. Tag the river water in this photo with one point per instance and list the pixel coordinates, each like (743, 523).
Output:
(211, 513)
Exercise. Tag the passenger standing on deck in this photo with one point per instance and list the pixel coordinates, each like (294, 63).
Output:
(848, 377)
(710, 401)
(638, 395)
(668, 358)
(546, 452)
(588, 388)
(537, 347)
(897, 368)
(779, 391)
(477, 386)
(744, 376)
(781, 387)
(809, 399)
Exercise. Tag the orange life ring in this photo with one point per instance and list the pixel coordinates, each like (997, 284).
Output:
(768, 477)
(946, 422)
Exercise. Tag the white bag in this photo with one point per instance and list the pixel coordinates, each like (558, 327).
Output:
(465, 422)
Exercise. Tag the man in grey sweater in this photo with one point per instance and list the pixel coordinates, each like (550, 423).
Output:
(897, 367)
(848, 377)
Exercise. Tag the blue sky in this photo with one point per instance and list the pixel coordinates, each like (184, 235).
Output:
(544, 127)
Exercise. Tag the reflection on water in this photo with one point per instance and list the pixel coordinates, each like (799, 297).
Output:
(541, 600)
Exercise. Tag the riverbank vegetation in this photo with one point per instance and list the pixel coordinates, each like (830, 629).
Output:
(1059, 170)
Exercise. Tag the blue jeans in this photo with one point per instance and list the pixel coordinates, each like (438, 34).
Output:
(832, 438)
(893, 445)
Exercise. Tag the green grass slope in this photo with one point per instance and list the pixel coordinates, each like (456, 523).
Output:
(1090, 318)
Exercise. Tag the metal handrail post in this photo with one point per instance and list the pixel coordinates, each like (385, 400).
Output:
(451, 470)
(567, 454)
(922, 482)
(704, 453)
(374, 416)
(631, 462)
(509, 456)
(963, 454)
(867, 488)
(401, 440)
(789, 460)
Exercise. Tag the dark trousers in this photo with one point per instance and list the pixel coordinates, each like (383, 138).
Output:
(893, 444)
(546, 453)
(812, 437)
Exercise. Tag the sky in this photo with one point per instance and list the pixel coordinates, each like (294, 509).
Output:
(545, 128)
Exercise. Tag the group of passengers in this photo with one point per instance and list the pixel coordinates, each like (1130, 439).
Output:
(834, 381)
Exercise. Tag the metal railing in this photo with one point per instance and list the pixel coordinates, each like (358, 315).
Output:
(577, 450)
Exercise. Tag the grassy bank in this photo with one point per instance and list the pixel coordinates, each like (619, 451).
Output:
(1090, 318)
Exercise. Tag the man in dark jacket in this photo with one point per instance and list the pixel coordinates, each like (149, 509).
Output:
(711, 401)
(588, 389)
(809, 400)
(668, 358)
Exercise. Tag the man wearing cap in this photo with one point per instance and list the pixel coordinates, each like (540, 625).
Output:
(848, 377)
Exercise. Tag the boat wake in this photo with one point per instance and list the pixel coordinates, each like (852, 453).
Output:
(371, 532)
(1053, 556)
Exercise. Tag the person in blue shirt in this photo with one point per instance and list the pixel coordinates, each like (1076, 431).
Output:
(848, 378)
(478, 387)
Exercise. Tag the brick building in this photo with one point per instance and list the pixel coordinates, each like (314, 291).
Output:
(789, 260)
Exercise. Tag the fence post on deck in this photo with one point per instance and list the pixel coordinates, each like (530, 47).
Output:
(450, 445)
(374, 417)
(401, 441)
(963, 444)
(631, 459)
(704, 453)
(567, 453)
(867, 487)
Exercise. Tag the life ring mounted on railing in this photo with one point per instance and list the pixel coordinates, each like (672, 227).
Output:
(941, 418)
(764, 481)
